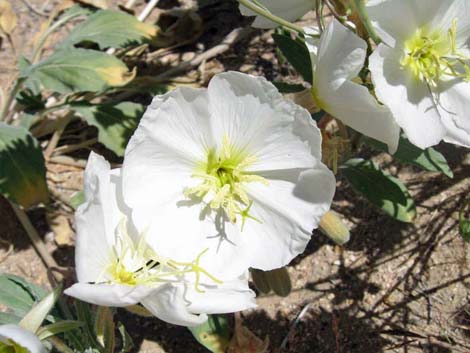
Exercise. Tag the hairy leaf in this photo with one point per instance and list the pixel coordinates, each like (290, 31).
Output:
(75, 70)
(380, 188)
(110, 28)
(22, 168)
(115, 123)
(296, 53)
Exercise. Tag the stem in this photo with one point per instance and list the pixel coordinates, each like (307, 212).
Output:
(266, 14)
(10, 98)
(362, 12)
(46, 34)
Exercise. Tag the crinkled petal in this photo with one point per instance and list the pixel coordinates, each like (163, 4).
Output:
(341, 56)
(109, 294)
(289, 208)
(95, 220)
(397, 20)
(229, 297)
(22, 337)
(253, 115)
(409, 100)
(454, 108)
(172, 138)
(289, 10)
(168, 304)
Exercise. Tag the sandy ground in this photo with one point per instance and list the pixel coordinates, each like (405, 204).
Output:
(393, 288)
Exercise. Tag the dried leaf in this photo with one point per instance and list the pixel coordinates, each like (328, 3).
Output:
(245, 341)
(7, 17)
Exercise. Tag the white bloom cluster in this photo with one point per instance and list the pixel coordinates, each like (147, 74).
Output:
(214, 181)
(420, 72)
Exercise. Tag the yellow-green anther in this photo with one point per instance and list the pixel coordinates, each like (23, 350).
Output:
(224, 176)
(432, 55)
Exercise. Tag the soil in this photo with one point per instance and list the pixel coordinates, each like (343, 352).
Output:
(394, 287)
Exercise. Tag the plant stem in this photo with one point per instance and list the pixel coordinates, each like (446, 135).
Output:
(11, 96)
(362, 12)
(266, 14)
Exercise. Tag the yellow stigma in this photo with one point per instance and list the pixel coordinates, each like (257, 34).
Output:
(224, 177)
(430, 55)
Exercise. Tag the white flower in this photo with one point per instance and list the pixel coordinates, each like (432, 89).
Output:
(16, 339)
(337, 59)
(116, 267)
(234, 168)
(289, 10)
(421, 71)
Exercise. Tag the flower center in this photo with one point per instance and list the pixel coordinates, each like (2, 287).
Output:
(224, 177)
(431, 55)
(138, 264)
(11, 346)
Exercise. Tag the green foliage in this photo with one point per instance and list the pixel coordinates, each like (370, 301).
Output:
(18, 295)
(296, 52)
(7, 318)
(58, 328)
(34, 318)
(380, 188)
(214, 334)
(115, 123)
(111, 29)
(77, 70)
(11, 346)
(22, 168)
(428, 159)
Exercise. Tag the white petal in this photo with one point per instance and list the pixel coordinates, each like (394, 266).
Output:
(409, 100)
(252, 113)
(341, 56)
(161, 156)
(454, 107)
(95, 220)
(289, 10)
(109, 295)
(22, 337)
(169, 305)
(290, 207)
(397, 20)
(228, 297)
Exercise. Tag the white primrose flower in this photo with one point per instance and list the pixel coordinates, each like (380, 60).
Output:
(337, 59)
(421, 71)
(234, 168)
(116, 267)
(290, 10)
(18, 340)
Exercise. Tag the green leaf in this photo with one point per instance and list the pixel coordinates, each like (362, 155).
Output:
(115, 123)
(428, 159)
(22, 167)
(78, 70)
(111, 29)
(17, 294)
(6, 318)
(34, 318)
(105, 328)
(127, 343)
(296, 53)
(277, 280)
(214, 334)
(284, 87)
(58, 328)
(380, 188)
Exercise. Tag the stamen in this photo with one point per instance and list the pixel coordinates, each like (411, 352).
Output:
(224, 178)
(430, 56)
